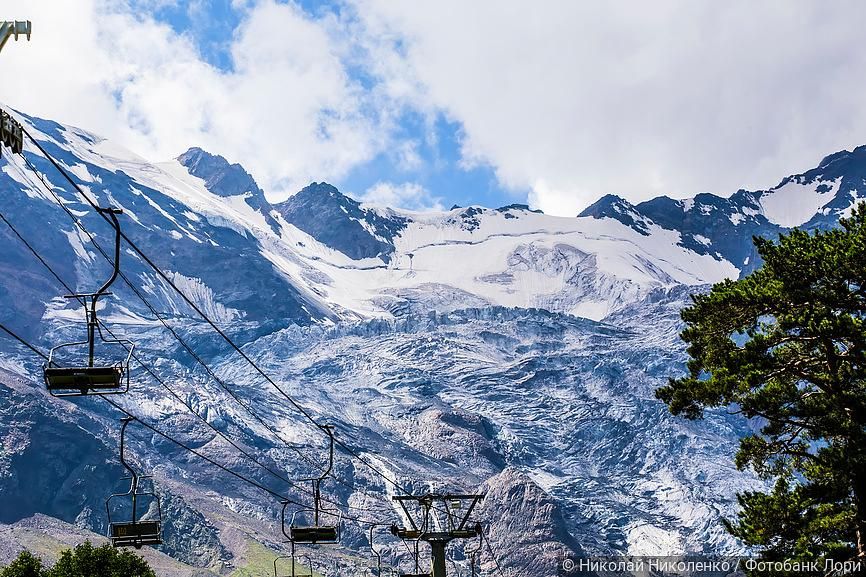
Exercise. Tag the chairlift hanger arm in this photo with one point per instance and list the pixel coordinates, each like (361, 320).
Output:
(329, 430)
(376, 553)
(112, 214)
(132, 472)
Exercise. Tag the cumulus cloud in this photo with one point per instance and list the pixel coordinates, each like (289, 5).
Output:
(571, 100)
(287, 110)
(564, 101)
(408, 195)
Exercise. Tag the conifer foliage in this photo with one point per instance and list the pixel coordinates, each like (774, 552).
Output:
(786, 345)
(83, 561)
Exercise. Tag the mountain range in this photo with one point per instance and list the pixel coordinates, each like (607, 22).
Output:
(498, 350)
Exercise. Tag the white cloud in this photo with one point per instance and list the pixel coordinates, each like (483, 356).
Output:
(576, 99)
(288, 111)
(407, 157)
(563, 100)
(408, 195)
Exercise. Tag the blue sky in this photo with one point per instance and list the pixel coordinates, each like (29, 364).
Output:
(440, 172)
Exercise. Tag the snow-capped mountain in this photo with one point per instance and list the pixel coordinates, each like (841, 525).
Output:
(500, 350)
(723, 227)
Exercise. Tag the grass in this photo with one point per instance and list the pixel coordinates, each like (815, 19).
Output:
(260, 563)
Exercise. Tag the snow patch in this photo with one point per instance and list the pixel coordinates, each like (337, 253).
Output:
(794, 203)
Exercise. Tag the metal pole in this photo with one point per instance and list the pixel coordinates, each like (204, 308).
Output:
(134, 483)
(92, 322)
(91, 335)
(438, 553)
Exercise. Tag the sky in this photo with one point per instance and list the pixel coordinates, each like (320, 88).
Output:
(427, 104)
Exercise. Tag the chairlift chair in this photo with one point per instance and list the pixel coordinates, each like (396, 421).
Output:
(388, 570)
(411, 534)
(316, 533)
(94, 377)
(135, 532)
(11, 131)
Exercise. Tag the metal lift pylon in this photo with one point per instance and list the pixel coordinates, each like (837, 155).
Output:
(14, 28)
(454, 525)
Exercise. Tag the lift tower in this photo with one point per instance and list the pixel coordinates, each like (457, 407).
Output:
(9, 28)
(439, 525)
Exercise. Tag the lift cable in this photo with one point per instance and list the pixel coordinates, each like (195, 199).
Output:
(300, 408)
(170, 390)
(492, 554)
(157, 431)
(181, 444)
(197, 453)
(219, 331)
(143, 364)
(23, 342)
(162, 320)
(187, 347)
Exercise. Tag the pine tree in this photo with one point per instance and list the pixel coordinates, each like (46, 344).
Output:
(104, 561)
(787, 345)
(83, 561)
(25, 565)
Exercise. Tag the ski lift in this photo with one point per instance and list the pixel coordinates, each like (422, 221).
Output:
(292, 558)
(136, 532)
(98, 378)
(315, 533)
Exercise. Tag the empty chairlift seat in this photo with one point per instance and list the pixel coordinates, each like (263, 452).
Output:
(88, 378)
(82, 380)
(98, 365)
(325, 534)
(132, 530)
(136, 533)
(317, 533)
